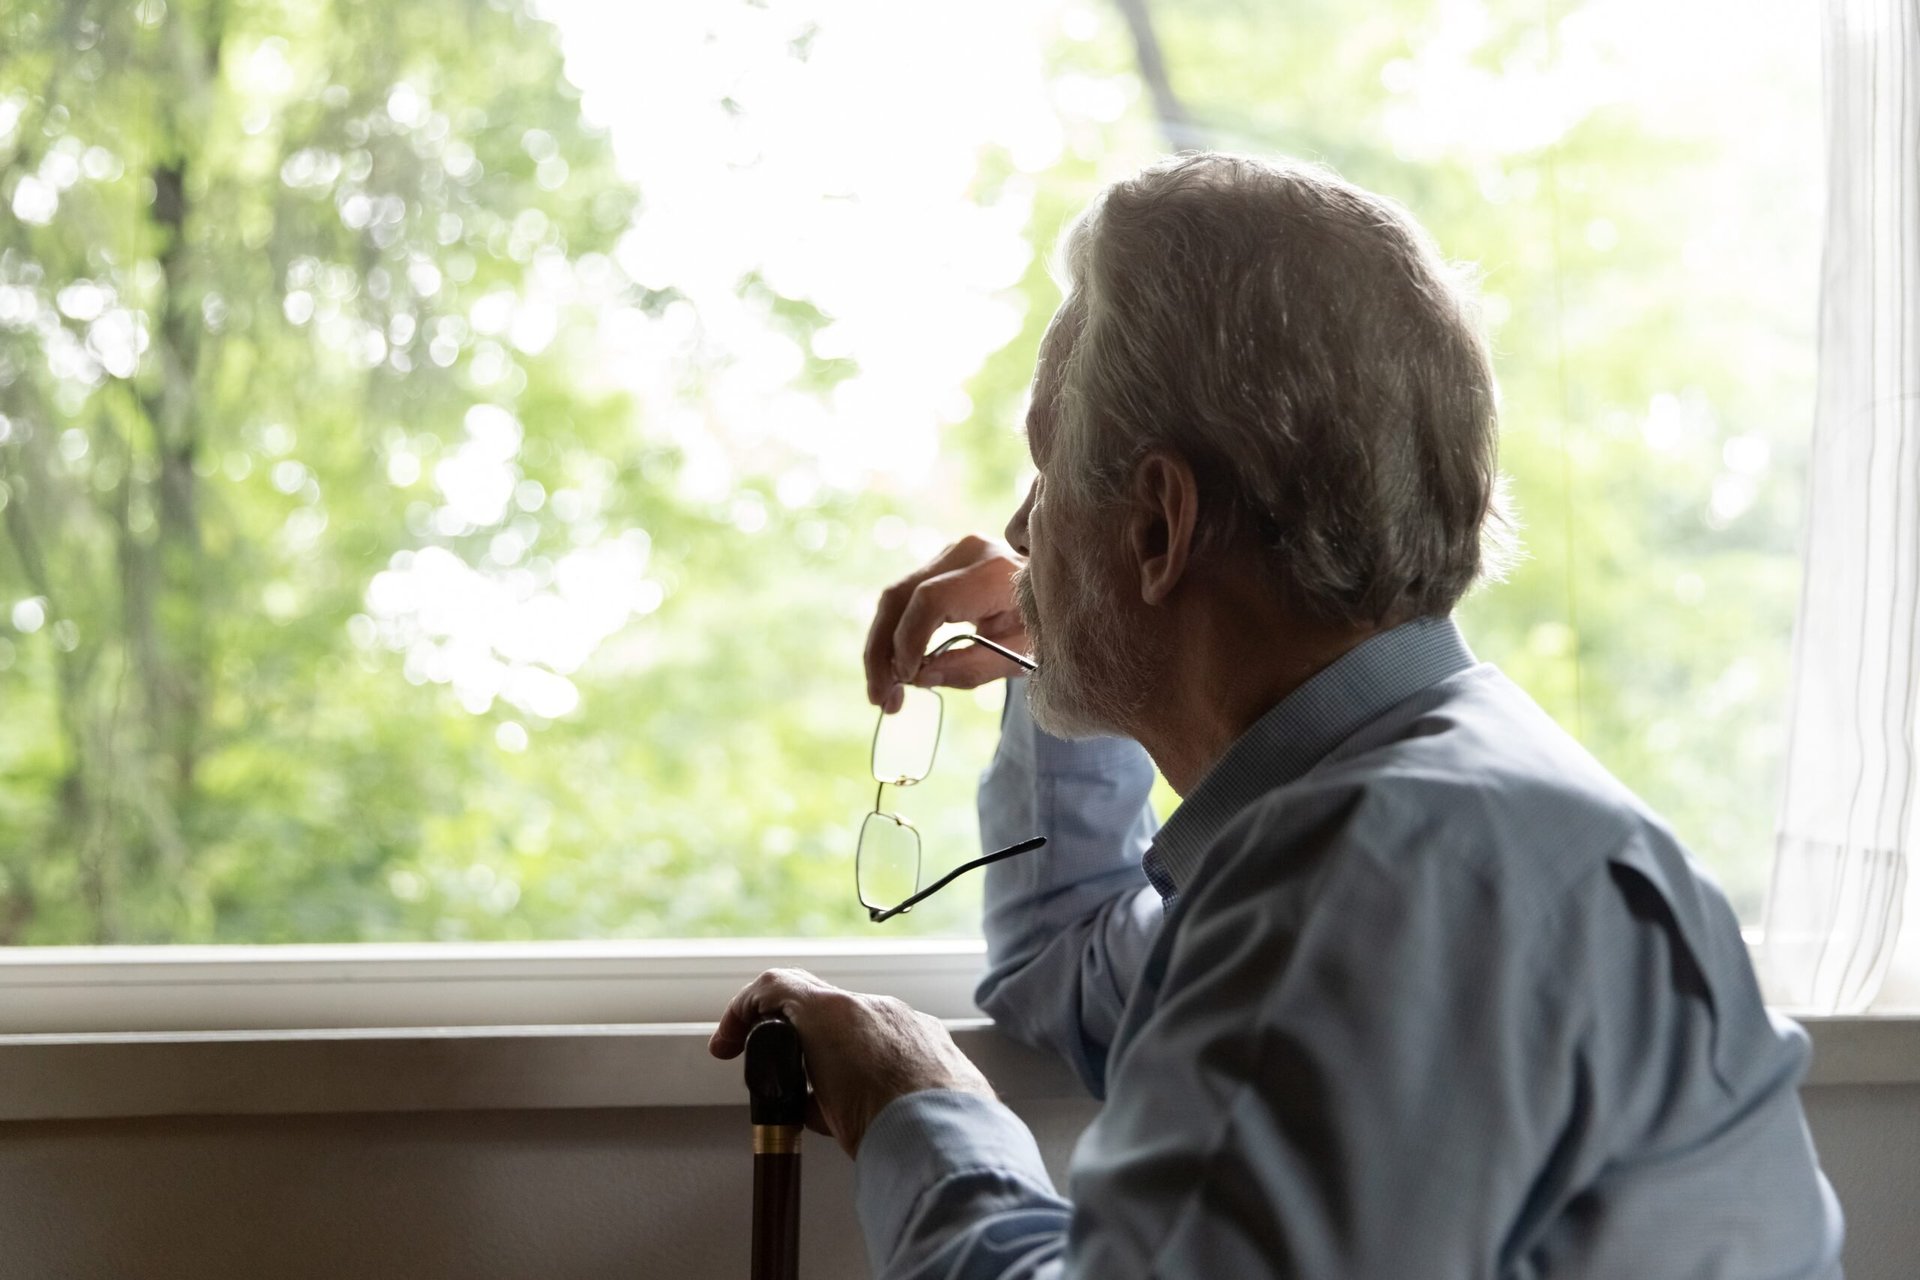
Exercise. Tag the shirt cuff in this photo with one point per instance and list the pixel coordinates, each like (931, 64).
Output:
(921, 1139)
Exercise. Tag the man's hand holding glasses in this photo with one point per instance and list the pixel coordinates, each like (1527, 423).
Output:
(970, 582)
(887, 863)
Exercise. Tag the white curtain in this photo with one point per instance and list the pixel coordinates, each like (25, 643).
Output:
(1846, 839)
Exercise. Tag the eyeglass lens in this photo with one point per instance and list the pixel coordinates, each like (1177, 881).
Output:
(904, 744)
(888, 863)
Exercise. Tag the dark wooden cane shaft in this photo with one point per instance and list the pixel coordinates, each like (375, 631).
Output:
(776, 1216)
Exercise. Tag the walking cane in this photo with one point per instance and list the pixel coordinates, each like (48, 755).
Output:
(777, 1089)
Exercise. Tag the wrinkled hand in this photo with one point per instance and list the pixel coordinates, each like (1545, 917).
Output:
(972, 582)
(862, 1051)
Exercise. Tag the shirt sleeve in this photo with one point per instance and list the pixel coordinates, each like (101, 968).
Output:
(1068, 926)
(951, 1185)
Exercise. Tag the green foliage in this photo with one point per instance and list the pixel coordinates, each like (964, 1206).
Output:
(235, 355)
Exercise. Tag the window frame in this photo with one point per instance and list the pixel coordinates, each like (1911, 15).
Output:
(117, 1033)
(355, 986)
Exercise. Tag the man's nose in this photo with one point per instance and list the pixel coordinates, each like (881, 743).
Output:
(1016, 530)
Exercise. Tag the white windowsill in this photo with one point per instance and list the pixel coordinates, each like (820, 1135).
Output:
(358, 985)
(94, 1033)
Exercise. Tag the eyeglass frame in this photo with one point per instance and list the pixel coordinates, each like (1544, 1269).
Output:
(878, 915)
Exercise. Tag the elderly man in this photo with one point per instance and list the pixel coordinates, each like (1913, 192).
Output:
(1408, 986)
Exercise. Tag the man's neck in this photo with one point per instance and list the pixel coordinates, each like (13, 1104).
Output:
(1238, 658)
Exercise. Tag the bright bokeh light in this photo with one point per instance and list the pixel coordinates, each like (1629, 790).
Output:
(846, 180)
(516, 635)
(750, 164)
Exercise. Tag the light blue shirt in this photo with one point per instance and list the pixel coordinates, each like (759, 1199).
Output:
(1431, 995)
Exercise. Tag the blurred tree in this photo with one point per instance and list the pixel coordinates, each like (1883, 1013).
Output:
(247, 244)
(346, 592)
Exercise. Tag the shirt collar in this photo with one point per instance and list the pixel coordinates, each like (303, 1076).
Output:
(1299, 732)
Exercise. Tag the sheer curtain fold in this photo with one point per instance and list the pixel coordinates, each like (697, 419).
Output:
(1845, 845)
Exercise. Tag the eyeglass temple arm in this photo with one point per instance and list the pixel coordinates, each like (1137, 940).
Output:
(1026, 663)
(876, 915)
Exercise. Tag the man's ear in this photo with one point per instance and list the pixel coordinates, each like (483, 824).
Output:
(1165, 507)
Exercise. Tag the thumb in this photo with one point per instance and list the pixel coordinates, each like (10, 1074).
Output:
(964, 668)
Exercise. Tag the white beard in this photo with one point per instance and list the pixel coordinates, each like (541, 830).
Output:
(1094, 677)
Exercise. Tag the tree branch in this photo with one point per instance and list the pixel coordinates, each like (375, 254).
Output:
(1183, 134)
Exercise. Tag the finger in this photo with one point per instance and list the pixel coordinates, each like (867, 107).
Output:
(878, 655)
(781, 991)
(967, 667)
(963, 595)
(742, 1013)
(730, 1034)
(882, 653)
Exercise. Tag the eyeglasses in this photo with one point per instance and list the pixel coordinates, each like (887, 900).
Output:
(886, 866)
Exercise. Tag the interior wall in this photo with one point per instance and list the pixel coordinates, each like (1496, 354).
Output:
(1869, 1142)
(583, 1195)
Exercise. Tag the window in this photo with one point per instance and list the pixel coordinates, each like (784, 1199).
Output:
(448, 453)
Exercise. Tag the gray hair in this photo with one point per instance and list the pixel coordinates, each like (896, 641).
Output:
(1302, 345)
